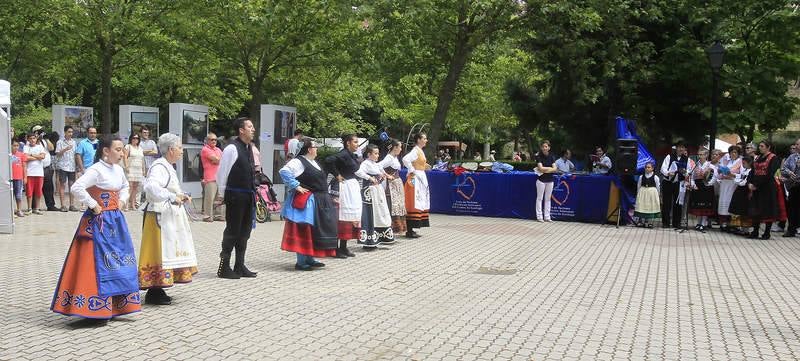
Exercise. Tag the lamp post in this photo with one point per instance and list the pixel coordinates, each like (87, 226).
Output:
(716, 54)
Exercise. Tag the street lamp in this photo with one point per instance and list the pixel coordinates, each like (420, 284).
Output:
(716, 54)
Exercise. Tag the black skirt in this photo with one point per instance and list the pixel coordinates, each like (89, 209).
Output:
(326, 218)
(740, 202)
(701, 200)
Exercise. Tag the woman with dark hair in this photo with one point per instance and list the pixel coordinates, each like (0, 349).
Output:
(345, 188)
(725, 174)
(764, 205)
(134, 166)
(85, 288)
(394, 187)
(376, 221)
(311, 216)
(545, 169)
(417, 191)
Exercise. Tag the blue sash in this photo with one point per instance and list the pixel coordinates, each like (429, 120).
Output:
(115, 260)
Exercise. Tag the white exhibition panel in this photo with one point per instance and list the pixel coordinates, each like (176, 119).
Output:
(6, 192)
(277, 124)
(5, 97)
(133, 117)
(80, 118)
(190, 122)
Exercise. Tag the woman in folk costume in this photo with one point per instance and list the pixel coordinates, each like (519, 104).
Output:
(98, 279)
(346, 190)
(648, 200)
(376, 221)
(742, 196)
(418, 194)
(701, 201)
(394, 187)
(765, 206)
(724, 175)
(311, 216)
(167, 255)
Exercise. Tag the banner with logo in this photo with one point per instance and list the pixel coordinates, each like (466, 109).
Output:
(513, 195)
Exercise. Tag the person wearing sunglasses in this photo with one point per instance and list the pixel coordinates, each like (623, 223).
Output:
(210, 157)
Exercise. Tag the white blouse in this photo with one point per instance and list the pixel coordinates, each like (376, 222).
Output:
(390, 161)
(161, 183)
(110, 177)
(369, 168)
(408, 159)
(296, 167)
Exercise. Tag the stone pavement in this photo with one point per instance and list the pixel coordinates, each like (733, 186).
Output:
(471, 288)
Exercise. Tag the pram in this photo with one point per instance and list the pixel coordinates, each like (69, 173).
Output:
(266, 199)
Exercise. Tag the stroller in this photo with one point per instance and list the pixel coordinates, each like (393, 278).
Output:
(266, 199)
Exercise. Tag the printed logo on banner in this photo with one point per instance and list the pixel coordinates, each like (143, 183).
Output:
(466, 189)
(564, 208)
(561, 193)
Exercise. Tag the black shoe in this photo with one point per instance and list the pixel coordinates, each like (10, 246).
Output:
(369, 244)
(244, 272)
(53, 209)
(316, 264)
(766, 235)
(89, 323)
(303, 267)
(157, 296)
(698, 227)
(225, 271)
(348, 253)
(702, 229)
(340, 254)
(412, 234)
(789, 234)
(753, 235)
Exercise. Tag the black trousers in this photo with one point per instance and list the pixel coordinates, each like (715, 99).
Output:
(48, 188)
(793, 209)
(670, 209)
(238, 223)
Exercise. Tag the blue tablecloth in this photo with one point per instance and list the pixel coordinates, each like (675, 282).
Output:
(513, 195)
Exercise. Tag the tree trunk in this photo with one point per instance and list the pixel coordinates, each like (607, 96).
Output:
(256, 99)
(107, 73)
(447, 92)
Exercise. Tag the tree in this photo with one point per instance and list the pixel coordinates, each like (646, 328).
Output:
(257, 38)
(437, 39)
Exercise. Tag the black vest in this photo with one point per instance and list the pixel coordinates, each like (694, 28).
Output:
(312, 178)
(649, 182)
(242, 175)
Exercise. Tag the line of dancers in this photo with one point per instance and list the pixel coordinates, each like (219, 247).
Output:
(367, 201)
(742, 189)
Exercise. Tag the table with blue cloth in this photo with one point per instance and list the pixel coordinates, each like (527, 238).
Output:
(582, 198)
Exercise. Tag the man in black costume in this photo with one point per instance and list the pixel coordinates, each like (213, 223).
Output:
(236, 181)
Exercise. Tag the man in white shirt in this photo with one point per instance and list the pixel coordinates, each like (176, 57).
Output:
(601, 163)
(564, 164)
(293, 145)
(35, 170)
(65, 167)
(149, 148)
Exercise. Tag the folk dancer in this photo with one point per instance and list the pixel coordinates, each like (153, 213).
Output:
(394, 187)
(648, 204)
(674, 170)
(98, 280)
(740, 201)
(167, 255)
(310, 213)
(418, 195)
(236, 182)
(701, 202)
(724, 175)
(376, 221)
(766, 205)
(347, 192)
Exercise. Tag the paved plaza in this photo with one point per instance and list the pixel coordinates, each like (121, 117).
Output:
(471, 288)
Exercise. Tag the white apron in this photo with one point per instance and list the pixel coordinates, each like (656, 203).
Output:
(177, 244)
(422, 194)
(381, 217)
(350, 201)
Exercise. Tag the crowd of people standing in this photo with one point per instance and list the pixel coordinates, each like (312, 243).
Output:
(741, 189)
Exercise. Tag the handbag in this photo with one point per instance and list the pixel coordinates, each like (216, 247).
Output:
(300, 200)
